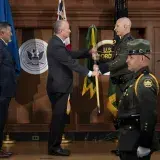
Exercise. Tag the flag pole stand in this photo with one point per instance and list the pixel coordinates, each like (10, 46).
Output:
(116, 141)
(8, 140)
(65, 141)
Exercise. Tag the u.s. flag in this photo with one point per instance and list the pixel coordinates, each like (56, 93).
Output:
(62, 16)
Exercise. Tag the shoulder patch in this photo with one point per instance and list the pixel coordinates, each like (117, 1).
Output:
(130, 38)
(147, 83)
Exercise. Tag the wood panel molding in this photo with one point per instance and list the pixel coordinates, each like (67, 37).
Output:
(45, 127)
(80, 127)
(41, 13)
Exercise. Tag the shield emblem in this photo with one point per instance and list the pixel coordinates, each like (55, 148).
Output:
(105, 50)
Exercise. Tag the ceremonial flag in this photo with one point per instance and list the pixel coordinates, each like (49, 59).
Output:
(6, 16)
(89, 82)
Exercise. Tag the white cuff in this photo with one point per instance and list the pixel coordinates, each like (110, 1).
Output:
(89, 74)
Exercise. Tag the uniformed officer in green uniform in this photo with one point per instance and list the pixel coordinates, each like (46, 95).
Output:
(137, 112)
(119, 73)
(118, 68)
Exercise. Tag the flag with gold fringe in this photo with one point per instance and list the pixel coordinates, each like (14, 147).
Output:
(91, 41)
(111, 102)
(61, 15)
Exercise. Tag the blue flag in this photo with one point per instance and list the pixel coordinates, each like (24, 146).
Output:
(6, 16)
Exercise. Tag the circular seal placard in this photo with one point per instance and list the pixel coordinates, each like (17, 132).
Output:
(33, 58)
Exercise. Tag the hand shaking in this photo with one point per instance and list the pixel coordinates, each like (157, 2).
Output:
(95, 73)
(93, 51)
(95, 67)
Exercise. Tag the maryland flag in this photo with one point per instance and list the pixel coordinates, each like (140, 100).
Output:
(89, 82)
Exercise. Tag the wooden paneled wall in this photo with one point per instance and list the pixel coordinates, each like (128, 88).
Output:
(30, 111)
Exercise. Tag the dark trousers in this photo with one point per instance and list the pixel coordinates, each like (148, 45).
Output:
(59, 106)
(4, 105)
(132, 156)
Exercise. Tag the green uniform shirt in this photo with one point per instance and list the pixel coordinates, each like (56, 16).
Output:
(118, 65)
(140, 98)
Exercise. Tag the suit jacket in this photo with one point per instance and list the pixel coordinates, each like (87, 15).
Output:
(61, 63)
(7, 72)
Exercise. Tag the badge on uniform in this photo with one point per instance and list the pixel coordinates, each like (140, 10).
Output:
(148, 83)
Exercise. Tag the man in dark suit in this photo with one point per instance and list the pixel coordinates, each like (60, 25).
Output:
(61, 63)
(7, 80)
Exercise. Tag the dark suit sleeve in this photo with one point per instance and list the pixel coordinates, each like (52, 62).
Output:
(1, 56)
(64, 58)
(120, 60)
(83, 53)
(147, 97)
(103, 67)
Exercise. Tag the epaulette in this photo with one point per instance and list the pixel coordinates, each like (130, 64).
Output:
(128, 38)
(144, 73)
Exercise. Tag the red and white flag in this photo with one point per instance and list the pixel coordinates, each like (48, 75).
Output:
(62, 16)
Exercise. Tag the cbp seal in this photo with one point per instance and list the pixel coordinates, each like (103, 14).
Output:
(33, 56)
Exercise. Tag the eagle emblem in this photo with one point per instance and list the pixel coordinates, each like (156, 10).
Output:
(35, 56)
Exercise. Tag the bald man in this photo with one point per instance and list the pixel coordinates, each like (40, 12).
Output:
(123, 27)
(118, 68)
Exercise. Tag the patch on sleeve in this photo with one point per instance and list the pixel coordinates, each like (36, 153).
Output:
(148, 83)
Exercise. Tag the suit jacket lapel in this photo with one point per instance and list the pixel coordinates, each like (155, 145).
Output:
(59, 40)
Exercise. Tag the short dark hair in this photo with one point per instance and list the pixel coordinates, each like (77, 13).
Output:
(57, 26)
(4, 25)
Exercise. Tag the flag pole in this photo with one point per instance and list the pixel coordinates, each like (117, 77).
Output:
(64, 140)
(97, 93)
(64, 10)
(96, 58)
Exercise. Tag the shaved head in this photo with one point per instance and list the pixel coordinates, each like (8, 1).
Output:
(125, 21)
(123, 26)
